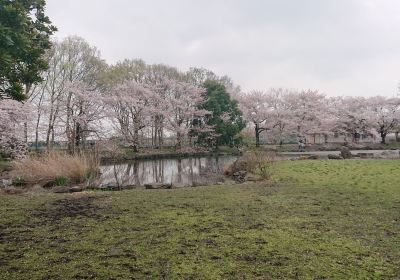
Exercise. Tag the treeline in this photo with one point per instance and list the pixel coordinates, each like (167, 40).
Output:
(81, 97)
(283, 112)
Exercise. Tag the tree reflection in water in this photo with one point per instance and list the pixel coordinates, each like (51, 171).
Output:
(187, 171)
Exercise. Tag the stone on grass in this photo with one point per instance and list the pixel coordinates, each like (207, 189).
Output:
(330, 156)
(313, 157)
(240, 176)
(60, 189)
(345, 152)
(76, 189)
(14, 190)
(4, 183)
(156, 186)
(253, 178)
(365, 155)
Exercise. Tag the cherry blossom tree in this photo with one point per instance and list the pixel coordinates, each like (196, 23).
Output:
(282, 119)
(132, 106)
(13, 115)
(257, 108)
(181, 110)
(306, 107)
(384, 114)
(87, 112)
(351, 117)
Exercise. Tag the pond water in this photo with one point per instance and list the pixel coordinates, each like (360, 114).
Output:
(186, 171)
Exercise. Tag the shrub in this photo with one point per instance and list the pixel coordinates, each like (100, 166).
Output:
(18, 182)
(256, 162)
(56, 168)
(61, 181)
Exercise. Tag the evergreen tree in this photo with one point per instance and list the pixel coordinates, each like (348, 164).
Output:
(24, 38)
(226, 118)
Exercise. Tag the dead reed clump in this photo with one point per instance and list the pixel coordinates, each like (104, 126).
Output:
(253, 162)
(56, 168)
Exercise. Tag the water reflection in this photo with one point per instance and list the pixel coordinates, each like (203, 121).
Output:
(188, 171)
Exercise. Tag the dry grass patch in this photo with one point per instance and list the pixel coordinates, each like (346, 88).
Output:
(56, 169)
(255, 162)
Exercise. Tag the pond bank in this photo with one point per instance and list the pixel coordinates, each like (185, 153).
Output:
(155, 155)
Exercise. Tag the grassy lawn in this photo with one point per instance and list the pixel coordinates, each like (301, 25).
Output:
(320, 220)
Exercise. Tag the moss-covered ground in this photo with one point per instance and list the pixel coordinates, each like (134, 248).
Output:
(317, 220)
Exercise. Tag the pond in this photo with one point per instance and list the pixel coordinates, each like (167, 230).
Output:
(178, 172)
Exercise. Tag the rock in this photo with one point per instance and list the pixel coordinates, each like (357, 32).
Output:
(130, 187)
(240, 176)
(158, 186)
(253, 178)
(313, 157)
(4, 183)
(37, 189)
(365, 155)
(76, 189)
(110, 187)
(166, 185)
(48, 185)
(345, 152)
(13, 190)
(106, 188)
(330, 156)
(60, 189)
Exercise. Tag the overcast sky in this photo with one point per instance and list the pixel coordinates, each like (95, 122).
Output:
(340, 47)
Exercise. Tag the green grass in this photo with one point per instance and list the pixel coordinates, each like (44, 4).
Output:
(320, 220)
(332, 146)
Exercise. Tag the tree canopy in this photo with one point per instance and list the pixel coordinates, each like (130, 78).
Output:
(25, 33)
(226, 117)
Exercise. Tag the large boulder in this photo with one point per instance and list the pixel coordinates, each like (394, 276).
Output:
(345, 152)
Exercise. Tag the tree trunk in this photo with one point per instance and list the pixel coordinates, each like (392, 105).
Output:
(383, 137)
(160, 137)
(153, 136)
(68, 130)
(52, 138)
(78, 135)
(397, 136)
(48, 139)
(136, 135)
(257, 131)
(26, 132)
(178, 144)
(27, 88)
(37, 136)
